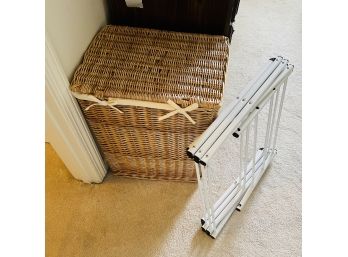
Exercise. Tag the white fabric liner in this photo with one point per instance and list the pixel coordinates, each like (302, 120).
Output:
(112, 102)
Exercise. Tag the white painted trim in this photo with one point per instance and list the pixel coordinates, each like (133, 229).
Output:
(66, 127)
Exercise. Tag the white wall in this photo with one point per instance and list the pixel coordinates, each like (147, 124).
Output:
(71, 26)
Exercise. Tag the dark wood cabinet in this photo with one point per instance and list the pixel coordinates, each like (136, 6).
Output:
(213, 17)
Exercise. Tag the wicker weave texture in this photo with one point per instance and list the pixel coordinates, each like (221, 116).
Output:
(151, 65)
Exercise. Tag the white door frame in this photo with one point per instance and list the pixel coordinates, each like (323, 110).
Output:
(66, 128)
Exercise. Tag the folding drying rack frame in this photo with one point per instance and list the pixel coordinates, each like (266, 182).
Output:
(241, 120)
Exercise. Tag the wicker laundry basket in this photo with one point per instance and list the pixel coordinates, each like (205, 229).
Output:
(147, 94)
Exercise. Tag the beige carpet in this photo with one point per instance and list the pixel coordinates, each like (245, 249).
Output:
(125, 217)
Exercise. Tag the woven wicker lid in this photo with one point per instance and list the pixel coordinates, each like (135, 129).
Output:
(154, 65)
